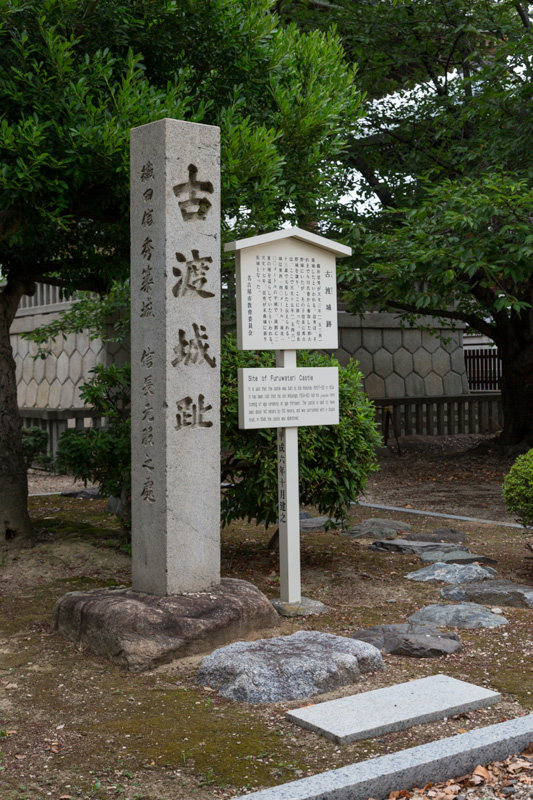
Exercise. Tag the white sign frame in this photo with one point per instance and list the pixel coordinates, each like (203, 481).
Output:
(279, 398)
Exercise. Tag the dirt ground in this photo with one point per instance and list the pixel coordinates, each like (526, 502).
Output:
(441, 474)
(74, 726)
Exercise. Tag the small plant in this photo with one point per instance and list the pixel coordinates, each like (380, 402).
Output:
(334, 460)
(34, 445)
(518, 490)
(103, 455)
(207, 779)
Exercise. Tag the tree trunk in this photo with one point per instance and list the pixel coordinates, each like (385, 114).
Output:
(15, 525)
(517, 401)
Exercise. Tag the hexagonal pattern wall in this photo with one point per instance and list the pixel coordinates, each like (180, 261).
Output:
(55, 382)
(395, 361)
(403, 362)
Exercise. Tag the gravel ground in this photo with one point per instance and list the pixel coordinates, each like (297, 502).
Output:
(439, 474)
(40, 482)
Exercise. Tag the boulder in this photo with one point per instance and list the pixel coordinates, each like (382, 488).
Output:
(377, 528)
(140, 631)
(287, 667)
(406, 639)
(452, 573)
(413, 546)
(493, 593)
(456, 557)
(462, 615)
(440, 535)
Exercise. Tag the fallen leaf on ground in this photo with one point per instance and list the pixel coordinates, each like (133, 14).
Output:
(482, 772)
(516, 766)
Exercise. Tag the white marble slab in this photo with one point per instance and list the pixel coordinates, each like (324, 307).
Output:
(395, 708)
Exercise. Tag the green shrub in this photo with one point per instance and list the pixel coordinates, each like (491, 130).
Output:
(518, 489)
(334, 460)
(34, 445)
(103, 455)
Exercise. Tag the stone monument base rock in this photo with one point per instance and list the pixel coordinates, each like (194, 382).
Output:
(141, 631)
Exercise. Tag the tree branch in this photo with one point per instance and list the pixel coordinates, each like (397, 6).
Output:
(471, 319)
(377, 186)
(523, 14)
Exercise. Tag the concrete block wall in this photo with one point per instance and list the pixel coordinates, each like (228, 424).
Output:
(55, 382)
(398, 362)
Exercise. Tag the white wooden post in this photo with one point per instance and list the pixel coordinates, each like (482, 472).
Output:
(288, 502)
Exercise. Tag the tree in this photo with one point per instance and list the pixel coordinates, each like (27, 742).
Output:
(75, 77)
(444, 154)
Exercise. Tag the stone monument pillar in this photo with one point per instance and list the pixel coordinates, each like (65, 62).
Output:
(179, 605)
(175, 354)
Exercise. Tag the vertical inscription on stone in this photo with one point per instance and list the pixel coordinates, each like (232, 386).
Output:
(175, 281)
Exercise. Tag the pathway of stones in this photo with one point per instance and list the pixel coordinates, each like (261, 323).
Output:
(309, 662)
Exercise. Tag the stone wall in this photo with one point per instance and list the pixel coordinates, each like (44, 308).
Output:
(54, 382)
(398, 362)
(395, 362)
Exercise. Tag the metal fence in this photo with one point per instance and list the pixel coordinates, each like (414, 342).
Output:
(439, 416)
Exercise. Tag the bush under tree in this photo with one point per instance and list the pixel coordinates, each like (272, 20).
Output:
(335, 460)
(518, 490)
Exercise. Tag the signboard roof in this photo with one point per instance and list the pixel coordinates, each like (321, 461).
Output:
(294, 233)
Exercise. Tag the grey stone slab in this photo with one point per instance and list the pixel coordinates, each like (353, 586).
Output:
(494, 593)
(416, 547)
(287, 667)
(427, 763)
(368, 714)
(378, 528)
(439, 535)
(462, 615)
(452, 573)
(407, 639)
(456, 557)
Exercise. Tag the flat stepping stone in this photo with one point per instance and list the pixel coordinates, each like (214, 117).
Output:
(417, 766)
(414, 546)
(362, 716)
(452, 573)
(287, 667)
(440, 535)
(456, 557)
(492, 593)
(317, 523)
(378, 528)
(406, 639)
(462, 615)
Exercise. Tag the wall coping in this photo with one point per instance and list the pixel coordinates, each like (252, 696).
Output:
(381, 319)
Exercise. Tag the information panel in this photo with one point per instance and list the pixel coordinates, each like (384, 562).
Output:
(286, 297)
(286, 398)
